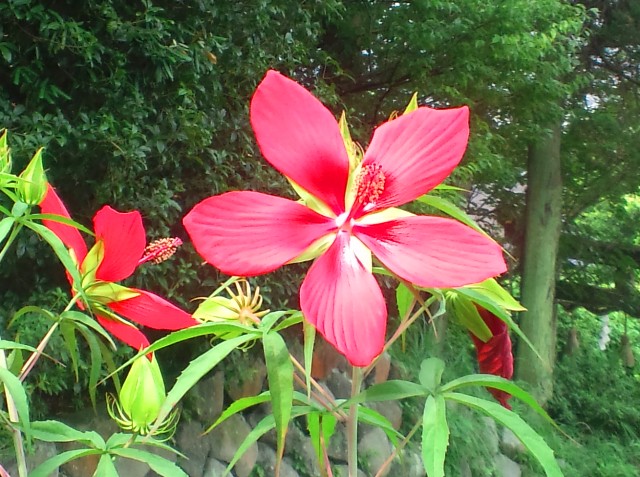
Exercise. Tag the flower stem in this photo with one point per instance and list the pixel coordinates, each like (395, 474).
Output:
(352, 423)
(33, 359)
(18, 443)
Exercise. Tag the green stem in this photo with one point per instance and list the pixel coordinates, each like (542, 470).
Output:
(33, 359)
(18, 443)
(352, 423)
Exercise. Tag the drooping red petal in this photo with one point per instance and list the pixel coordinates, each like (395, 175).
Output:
(124, 239)
(344, 302)
(495, 356)
(153, 311)
(417, 151)
(70, 236)
(300, 137)
(433, 252)
(250, 233)
(125, 332)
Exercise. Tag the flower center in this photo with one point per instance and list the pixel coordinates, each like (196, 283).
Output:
(160, 250)
(369, 185)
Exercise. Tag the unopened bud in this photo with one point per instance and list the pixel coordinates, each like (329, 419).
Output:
(33, 186)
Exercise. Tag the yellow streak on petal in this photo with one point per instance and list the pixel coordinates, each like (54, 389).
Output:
(316, 249)
(311, 201)
(382, 216)
(362, 253)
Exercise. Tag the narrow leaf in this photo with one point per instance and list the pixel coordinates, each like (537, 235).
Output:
(531, 440)
(431, 370)
(404, 300)
(158, 464)
(13, 386)
(106, 467)
(435, 436)
(56, 431)
(309, 343)
(450, 209)
(5, 227)
(388, 391)
(239, 406)
(280, 377)
(52, 464)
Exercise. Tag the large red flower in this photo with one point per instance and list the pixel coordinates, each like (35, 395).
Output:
(118, 250)
(494, 355)
(347, 211)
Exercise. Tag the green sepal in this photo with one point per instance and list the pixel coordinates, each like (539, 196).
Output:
(467, 314)
(108, 292)
(413, 104)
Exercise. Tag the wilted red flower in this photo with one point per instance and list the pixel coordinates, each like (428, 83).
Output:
(494, 356)
(118, 250)
(348, 212)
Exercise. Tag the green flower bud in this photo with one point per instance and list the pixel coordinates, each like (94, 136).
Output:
(33, 186)
(141, 399)
(142, 394)
(5, 155)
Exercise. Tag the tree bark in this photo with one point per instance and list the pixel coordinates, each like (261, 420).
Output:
(542, 234)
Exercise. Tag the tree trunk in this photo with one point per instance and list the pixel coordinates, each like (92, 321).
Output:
(543, 222)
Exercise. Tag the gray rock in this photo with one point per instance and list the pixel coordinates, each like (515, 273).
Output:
(267, 460)
(131, 468)
(194, 446)
(510, 444)
(339, 384)
(392, 410)
(337, 448)
(505, 467)
(249, 383)
(407, 464)
(374, 449)
(298, 447)
(206, 399)
(226, 440)
(215, 468)
(490, 436)
(41, 451)
(343, 471)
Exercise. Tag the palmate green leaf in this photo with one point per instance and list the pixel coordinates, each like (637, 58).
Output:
(503, 314)
(309, 343)
(435, 435)
(391, 390)
(7, 344)
(497, 382)
(372, 417)
(58, 248)
(158, 464)
(264, 426)
(451, 210)
(280, 378)
(90, 323)
(404, 300)
(196, 370)
(321, 426)
(468, 316)
(529, 438)
(69, 336)
(52, 464)
(430, 376)
(95, 352)
(13, 386)
(239, 406)
(106, 467)
(56, 431)
(491, 290)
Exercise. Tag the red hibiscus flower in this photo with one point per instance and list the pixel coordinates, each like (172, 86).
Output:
(118, 250)
(347, 212)
(494, 356)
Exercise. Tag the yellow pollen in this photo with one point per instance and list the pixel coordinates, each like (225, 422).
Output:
(160, 250)
(369, 184)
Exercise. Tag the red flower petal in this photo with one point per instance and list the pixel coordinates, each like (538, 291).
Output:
(249, 233)
(124, 239)
(70, 236)
(494, 356)
(417, 151)
(152, 311)
(433, 252)
(344, 302)
(300, 137)
(125, 332)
